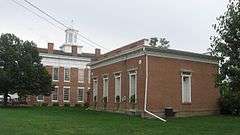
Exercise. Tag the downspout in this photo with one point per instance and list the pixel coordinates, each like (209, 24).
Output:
(146, 90)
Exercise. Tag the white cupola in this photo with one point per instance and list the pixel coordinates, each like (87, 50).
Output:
(71, 36)
(71, 43)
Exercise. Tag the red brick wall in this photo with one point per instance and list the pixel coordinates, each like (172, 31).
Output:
(123, 67)
(73, 84)
(164, 87)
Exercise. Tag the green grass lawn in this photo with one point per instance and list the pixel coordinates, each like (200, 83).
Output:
(76, 121)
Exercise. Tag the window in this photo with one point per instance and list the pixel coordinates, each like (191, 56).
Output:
(95, 89)
(70, 38)
(105, 87)
(186, 87)
(55, 74)
(133, 86)
(40, 98)
(75, 38)
(55, 94)
(89, 75)
(66, 93)
(80, 94)
(81, 75)
(117, 88)
(66, 74)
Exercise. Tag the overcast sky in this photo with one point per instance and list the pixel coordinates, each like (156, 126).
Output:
(187, 24)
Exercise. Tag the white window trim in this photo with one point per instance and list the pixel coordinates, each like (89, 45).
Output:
(131, 74)
(57, 94)
(83, 94)
(96, 93)
(53, 74)
(190, 83)
(89, 75)
(66, 101)
(105, 78)
(120, 95)
(83, 76)
(40, 100)
(69, 74)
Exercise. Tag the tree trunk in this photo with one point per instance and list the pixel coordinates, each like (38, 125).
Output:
(5, 99)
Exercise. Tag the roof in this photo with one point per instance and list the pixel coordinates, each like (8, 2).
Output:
(59, 52)
(139, 43)
(141, 47)
(179, 52)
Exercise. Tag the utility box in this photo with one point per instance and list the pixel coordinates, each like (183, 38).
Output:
(169, 112)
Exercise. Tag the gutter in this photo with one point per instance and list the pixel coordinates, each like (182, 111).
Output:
(146, 90)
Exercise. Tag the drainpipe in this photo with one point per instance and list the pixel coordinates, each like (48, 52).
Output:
(146, 90)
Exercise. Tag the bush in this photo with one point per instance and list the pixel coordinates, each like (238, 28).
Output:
(55, 104)
(86, 105)
(66, 104)
(132, 99)
(230, 104)
(44, 104)
(79, 105)
(117, 98)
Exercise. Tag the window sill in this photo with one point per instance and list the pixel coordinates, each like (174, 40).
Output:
(80, 101)
(54, 101)
(66, 81)
(80, 81)
(66, 101)
(55, 80)
(187, 103)
(40, 100)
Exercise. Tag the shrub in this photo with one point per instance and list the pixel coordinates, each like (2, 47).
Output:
(230, 104)
(55, 104)
(66, 104)
(132, 99)
(104, 100)
(86, 105)
(44, 104)
(79, 105)
(117, 98)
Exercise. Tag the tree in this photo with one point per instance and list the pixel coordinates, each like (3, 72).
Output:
(159, 43)
(226, 47)
(21, 69)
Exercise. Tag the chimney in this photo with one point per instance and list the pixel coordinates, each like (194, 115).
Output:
(74, 50)
(97, 52)
(50, 47)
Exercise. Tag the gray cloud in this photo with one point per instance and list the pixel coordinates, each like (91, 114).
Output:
(112, 23)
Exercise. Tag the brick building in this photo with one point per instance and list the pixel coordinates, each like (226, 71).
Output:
(145, 79)
(70, 74)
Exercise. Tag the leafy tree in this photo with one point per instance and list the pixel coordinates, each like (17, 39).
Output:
(21, 70)
(159, 43)
(226, 46)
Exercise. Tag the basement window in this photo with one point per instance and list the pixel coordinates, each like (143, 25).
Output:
(40, 98)
(186, 87)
